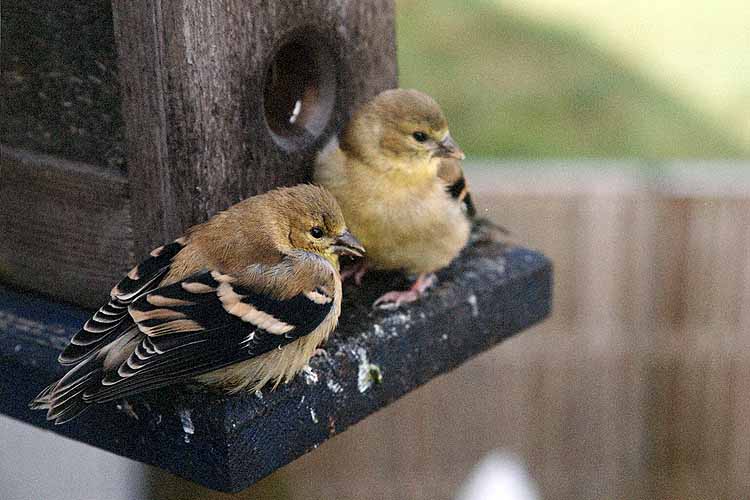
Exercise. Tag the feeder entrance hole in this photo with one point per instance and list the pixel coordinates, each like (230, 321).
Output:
(299, 91)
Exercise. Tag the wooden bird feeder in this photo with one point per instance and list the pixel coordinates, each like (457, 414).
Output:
(123, 124)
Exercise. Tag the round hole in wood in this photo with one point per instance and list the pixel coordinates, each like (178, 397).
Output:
(299, 91)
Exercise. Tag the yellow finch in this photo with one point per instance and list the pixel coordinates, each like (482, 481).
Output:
(240, 300)
(396, 175)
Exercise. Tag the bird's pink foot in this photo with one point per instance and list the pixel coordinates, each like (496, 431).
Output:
(357, 271)
(320, 352)
(348, 273)
(392, 300)
(360, 273)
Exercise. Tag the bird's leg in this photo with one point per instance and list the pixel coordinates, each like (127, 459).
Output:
(320, 352)
(392, 300)
(360, 272)
(357, 271)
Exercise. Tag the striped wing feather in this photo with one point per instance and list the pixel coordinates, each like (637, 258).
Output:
(452, 174)
(203, 323)
(112, 319)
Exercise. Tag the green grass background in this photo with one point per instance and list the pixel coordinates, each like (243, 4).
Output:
(514, 87)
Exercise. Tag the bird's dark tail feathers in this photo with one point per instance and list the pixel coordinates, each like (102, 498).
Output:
(63, 399)
(41, 401)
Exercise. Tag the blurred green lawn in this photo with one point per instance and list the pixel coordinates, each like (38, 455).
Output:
(514, 87)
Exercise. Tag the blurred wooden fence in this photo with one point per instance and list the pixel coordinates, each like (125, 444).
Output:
(637, 387)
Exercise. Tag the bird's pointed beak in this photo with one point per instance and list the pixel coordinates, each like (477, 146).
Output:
(347, 244)
(448, 148)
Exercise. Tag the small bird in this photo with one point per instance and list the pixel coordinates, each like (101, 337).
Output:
(240, 300)
(397, 176)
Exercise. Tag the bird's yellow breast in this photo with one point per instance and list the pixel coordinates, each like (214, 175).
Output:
(410, 224)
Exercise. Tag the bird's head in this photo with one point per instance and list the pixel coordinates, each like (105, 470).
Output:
(403, 129)
(313, 222)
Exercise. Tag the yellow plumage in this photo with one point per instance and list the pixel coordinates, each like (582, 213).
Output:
(404, 218)
(385, 175)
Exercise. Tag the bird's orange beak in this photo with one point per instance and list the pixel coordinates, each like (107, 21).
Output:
(347, 244)
(448, 148)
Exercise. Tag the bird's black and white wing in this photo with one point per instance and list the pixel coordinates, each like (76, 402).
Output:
(112, 319)
(202, 323)
(207, 322)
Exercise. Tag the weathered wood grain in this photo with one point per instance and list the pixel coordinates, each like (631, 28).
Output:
(192, 75)
(65, 227)
(59, 91)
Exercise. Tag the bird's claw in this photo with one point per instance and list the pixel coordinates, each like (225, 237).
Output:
(392, 300)
(320, 352)
(348, 273)
(357, 272)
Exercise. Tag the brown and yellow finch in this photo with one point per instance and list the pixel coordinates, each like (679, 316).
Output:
(396, 174)
(240, 300)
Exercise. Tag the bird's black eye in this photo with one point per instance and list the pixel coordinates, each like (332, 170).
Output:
(419, 136)
(316, 232)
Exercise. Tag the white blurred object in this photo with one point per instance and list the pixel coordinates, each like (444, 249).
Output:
(39, 465)
(499, 476)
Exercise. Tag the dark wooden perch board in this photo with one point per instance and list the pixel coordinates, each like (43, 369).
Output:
(229, 442)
